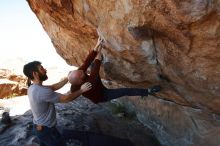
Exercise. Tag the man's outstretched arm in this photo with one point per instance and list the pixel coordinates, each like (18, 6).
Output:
(58, 85)
(88, 61)
(91, 56)
(95, 68)
(73, 95)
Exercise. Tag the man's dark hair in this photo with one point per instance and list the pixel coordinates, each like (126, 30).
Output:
(29, 68)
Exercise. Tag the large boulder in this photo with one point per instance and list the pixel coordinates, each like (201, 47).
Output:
(11, 85)
(80, 115)
(174, 43)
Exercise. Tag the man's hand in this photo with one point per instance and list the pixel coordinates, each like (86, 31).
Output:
(98, 44)
(85, 87)
(99, 56)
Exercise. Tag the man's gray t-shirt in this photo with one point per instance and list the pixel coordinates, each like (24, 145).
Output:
(42, 101)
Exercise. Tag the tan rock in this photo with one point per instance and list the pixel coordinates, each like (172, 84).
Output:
(11, 85)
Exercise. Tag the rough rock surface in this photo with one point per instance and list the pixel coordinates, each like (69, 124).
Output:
(11, 84)
(174, 43)
(82, 115)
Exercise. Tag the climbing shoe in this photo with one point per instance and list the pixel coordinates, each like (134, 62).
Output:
(154, 89)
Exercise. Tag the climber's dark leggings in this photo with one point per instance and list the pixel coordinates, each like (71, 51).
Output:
(110, 94)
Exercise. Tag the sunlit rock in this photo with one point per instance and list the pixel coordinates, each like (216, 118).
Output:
(174, 43)
(11, 85)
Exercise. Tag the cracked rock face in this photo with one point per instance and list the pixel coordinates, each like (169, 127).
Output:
(174, 43)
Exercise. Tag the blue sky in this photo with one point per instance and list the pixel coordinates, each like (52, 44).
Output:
(22, 36)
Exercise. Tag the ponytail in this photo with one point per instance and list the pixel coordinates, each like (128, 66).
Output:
(28, 82)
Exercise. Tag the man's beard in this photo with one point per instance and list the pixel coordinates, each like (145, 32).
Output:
(43, 77)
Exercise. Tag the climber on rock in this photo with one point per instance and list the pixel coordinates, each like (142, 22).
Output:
(99, 93)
